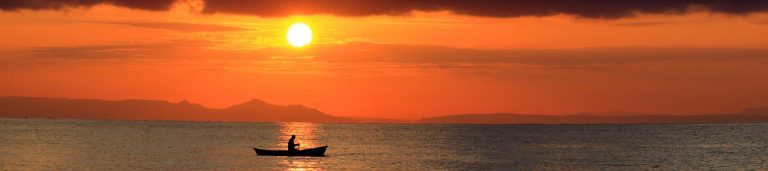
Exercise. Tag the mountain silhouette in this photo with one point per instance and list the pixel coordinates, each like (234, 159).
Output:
(272, 113)
(259, 111)
(755, 111)
(251, 111)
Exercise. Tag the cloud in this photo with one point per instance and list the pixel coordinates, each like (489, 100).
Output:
(490, 8)
(354, 53)
(609, 9)
(389, 59)
(642, 24)
(396, 53)
(153, 5)
(173, 49)
(185, 27)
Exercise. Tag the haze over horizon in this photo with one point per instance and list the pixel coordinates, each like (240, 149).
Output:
(395, 59)
(256, 110)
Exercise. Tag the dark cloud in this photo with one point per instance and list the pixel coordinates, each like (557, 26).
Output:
(488, 8)
(153, 5)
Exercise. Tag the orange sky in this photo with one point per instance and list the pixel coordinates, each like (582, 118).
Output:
(407, 66)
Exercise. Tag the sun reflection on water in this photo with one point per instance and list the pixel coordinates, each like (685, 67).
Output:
(300, 163)
(305, 134)
(307, 137)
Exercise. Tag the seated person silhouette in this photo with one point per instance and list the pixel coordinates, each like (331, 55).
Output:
(291, 144)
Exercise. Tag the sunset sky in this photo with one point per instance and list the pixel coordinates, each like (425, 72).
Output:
(395, 58)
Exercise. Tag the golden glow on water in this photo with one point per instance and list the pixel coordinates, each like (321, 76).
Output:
(300, 165)
(305, 134)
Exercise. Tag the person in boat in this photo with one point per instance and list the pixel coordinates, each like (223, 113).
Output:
(292, 144)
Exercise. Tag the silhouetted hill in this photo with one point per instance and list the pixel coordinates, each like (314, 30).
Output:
(755, 111)
(272, 113)
(752, 115)
(260, 111)
(254, 110)
(375, 120)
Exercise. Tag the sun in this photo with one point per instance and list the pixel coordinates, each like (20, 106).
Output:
(299, 35)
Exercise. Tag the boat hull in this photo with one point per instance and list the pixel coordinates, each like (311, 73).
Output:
(317, 152)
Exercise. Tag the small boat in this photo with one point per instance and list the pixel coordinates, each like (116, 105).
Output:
(316, 152)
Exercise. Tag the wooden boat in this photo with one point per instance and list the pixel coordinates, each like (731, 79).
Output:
(316, 152)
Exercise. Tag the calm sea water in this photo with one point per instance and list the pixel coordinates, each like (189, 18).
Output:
(41, 144)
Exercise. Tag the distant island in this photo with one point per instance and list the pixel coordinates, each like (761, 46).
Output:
(260, 111)
(251, 111)
(751, 115)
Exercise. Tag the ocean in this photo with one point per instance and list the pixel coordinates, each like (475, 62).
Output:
(58, 144)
